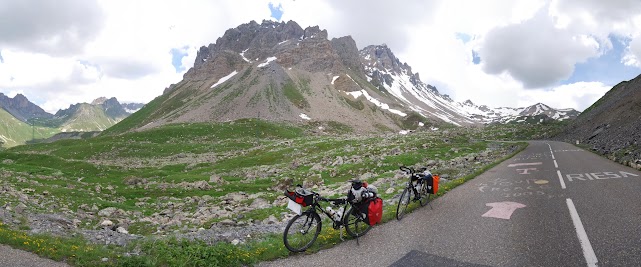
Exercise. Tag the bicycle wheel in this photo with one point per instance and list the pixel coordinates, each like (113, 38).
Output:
(354, 224)
(406, 198)
(302, 231)
(425, 195)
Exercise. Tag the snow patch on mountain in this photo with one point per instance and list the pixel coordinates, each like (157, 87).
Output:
(243, 55)
(376, 102)
(224, 79)
(334, 79)
(267, 61)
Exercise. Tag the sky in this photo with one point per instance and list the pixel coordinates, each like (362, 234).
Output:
(500, 53)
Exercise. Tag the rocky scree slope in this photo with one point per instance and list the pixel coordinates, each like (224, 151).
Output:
(612, 125)
(279, 71)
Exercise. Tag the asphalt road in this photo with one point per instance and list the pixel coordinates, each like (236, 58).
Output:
(553, 204)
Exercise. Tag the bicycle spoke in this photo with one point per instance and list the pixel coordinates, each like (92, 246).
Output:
(354, 224)
(301, 232)
(425, 195)
(403, 203)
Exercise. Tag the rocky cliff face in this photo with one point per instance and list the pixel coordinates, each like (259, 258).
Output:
(21, 108)
(612, 125)
(281, 72)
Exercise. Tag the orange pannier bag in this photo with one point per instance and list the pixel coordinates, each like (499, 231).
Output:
(435, 179)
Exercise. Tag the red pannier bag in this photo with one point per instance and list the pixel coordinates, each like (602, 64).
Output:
(375, 211)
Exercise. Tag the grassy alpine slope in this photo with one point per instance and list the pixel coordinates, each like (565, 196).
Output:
(14, 132)
(188, 179)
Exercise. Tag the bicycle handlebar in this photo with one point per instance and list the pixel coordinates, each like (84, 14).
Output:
(335, 201)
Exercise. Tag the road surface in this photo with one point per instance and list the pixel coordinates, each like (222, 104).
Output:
(553, 204)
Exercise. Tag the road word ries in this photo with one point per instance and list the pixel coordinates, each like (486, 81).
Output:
(591, 176)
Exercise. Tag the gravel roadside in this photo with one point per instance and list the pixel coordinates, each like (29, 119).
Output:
(11, 257)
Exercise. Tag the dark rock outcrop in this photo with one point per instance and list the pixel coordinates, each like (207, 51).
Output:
(612, 125)
(21, 108)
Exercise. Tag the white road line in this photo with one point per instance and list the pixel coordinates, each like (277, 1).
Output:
(525, 164)
(551, 152)
(588, 252)
(556, 165)
(561, 179)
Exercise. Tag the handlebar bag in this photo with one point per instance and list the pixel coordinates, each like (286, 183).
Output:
(302, 198)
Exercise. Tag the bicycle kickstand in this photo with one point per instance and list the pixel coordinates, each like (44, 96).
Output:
(431, 208)
(340, 230)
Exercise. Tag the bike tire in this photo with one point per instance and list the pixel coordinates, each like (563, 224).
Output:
(403, 202)
(301, 231)
(425, 195)
(354, 224)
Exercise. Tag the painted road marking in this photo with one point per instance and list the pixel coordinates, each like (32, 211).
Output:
(525, 164)
(588, 252)
(561, 179)
(551, 152)
(502, 210)
(556, 165)
(525, 171)
(598, 176)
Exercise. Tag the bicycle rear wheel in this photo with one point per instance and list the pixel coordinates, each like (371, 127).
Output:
(425, 194)
(302, 231)
(354, 224)
(406, 198)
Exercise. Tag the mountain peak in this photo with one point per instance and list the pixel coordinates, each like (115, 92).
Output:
(99, 101)
(21, 108)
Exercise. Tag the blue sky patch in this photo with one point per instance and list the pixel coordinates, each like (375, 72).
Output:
(463, 37)
(277, 11)
(607, 68)
(177, 55)
(475, 58)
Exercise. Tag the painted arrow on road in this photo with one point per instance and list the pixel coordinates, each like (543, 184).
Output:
(502, 210)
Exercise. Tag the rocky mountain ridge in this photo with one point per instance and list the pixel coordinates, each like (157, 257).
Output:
(279, 71)
(21, 108)
(612, 125)
(21, 120)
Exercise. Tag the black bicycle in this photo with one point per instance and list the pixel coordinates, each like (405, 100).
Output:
(303, 229)
(418, 185)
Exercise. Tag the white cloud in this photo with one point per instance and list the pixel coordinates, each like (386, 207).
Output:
(122, 48)
(59, 27)
(535, 52)
(577, 95)
(632, 56)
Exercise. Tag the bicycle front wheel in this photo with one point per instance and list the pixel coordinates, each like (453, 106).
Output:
(406, 198)
(355, 226)
(425, 194)
(302, 231)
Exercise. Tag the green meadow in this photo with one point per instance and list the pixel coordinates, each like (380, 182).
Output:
(142, 172)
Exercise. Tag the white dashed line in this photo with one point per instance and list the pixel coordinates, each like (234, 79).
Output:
(561, 179)
(588, 252)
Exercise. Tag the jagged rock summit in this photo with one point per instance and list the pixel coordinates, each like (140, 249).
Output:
(279, 71)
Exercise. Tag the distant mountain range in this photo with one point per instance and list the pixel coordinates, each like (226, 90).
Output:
(21, 120)
(279, 71)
